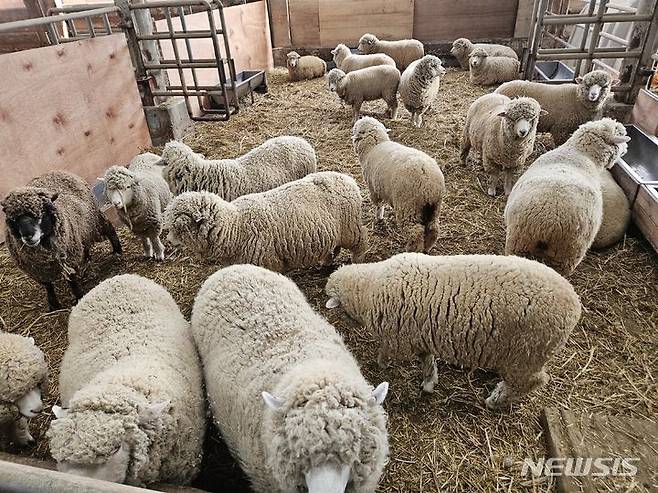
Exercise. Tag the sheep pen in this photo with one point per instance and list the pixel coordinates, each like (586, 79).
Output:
(447, 440)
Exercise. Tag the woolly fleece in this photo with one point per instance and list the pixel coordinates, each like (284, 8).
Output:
(349, 62)
(616, 212)
(462, 48)
(419, 85)
(402, 51)
(304, 67)
(492, 69)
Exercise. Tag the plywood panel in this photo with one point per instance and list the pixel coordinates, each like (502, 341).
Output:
(304, 23)
(280, 23)
(446, 20)
(345, 21)
(74, 107)
(249, 42)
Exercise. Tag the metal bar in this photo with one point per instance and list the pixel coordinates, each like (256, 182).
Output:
(586, 32)
(106, 23)
(171, 3)
(188, 92)
(540, 6)
(605, 66)
(227, 52)
(65, 9)
(568, 19)
(622, 8)
(188, 46)
(566, 51)
(594, 38)
(174, 65)
(559, 40)
(52, 34)
(614, 38)
(209, 89)
(177, 34)
(584, 56)
(181, 73)
(44, 21)
(90, 24)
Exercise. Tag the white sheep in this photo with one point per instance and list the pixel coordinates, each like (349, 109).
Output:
(140, 195)
(367, 84)
(462, 49)
(321, 427)
(402, 51)
(486, 70)
(567, 105)
(502, 131)
(348, 62)
(616, 212)
(406, 178)
(131, 385)
(555, 209)
(304, 67)
(419, 85)
(273, 163)
(297, 225)
(506, 314)
(23, 378)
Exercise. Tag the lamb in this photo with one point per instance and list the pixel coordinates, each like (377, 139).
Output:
(406, 178)
(488, 70)
(321, 427)
(24, 377)
(462, 49)
(555, 209)
(367, 84)
(348, 62)
(502, 131)
(616, 212)
(140, 196)
(296, 225)
(304, 67)
(567, 105)
(131, 387)
(403, 51)
(506, 314)
(419, 85)
(273, 163)
(51, 224)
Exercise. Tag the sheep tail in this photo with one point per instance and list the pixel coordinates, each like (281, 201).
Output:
(428, 213)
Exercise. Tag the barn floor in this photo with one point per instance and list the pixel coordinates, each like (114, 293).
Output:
(447, 441)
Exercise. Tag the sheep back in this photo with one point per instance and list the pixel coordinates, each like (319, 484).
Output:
(616, 212)
(308, 67)
(357, 62)
(494, 70)
(415, 92)
(403, 51)
(369, 84)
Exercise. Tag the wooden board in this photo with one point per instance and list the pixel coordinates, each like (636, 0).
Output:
(523, 18)
(571, 435)
(645, 214)
(446, 20)
(304, 23)
(645, 112)
(345, 21)
(280, 23)
(249, 42)
(74, 107)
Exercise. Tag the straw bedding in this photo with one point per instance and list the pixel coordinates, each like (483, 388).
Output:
(446, 441)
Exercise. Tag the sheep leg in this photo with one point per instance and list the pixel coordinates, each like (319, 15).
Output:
(415, 232)
(493, 183)
(51, 296)
(356, 110)
(465, 146)
(148, 248)
(393, 107)
(158, 247)
(513, 387)
(430, 373)
(431, 235)
(360, 246)
(75, 287)
(19, 432)
(509, 181)
(111, 234)
(379, 211)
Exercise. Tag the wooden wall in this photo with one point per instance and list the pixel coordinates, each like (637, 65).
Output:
(325, 23)
(74, 107)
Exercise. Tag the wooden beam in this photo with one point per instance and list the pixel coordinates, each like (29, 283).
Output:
(304, 22)
(280, 23)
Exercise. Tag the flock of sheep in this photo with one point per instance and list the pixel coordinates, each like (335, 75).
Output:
(283, 389)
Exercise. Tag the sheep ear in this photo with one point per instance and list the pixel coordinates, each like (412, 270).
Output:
(60, 412)
(272, 402)
(502, 114)
(334, 51)
(579, 80)
(620, 139)
(543, 112)
(380, 392)
(149, 414)
(53, 197)
(332, 303)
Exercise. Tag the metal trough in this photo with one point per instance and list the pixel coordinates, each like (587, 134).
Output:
(637, 174)
(246, 82)
(553, 71)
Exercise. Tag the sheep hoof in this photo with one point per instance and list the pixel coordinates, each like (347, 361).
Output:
(427, 386)
(492, 191)
(25, 439)
(332, 303)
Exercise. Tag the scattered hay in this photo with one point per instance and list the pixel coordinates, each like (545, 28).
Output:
(447, 441)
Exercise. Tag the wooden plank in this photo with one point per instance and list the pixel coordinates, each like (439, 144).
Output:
(645, 213)
(345, 21)
(304, 23)
(595, 436)
(523, 18)
(74, 107)
(446, 20)
(645, 112)
(280, 23)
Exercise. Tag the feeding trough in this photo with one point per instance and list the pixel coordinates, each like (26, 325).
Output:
(554, 71)
(637, 174)
(246, 82)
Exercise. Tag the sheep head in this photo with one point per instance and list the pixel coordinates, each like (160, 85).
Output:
(367, 132)
(178, 161)
(119, 186)
(429, 68)
(190, 216)
(30, 214)
(334, 76)
(521, 116)
(339, 53)
(367, 43)
(594, 88)
(293, 59)
(604, 141)
(461, 47)
(323, 430)
(25, 373)
(477, 58)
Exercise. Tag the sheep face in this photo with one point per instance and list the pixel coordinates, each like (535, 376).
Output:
(326, 434)
(521, 116)
(478, 58)
(334, 77)
(178, 161)
(367, 43)
(368, 132)
(594, 87)
(461, 47)
(119, 186)
(187, 222)
(30, 215)
(429, 68)
(293, 59)
(339, 53)
(30, 404)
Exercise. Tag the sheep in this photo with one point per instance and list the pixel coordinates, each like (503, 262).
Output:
(555, 209)
(304, 67)
(567, 105)
(346, 61)
(508, 314)
(367, 84)
(419, 85)
(296, 225)
(502, 131)
(140, 196)
(273, 163)
(24, 377)
(486, 70)
(616, 212)
(51, 224)
(321, 426)
(406, 178)
(403, 51)
(462, 49)
(131, 388)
